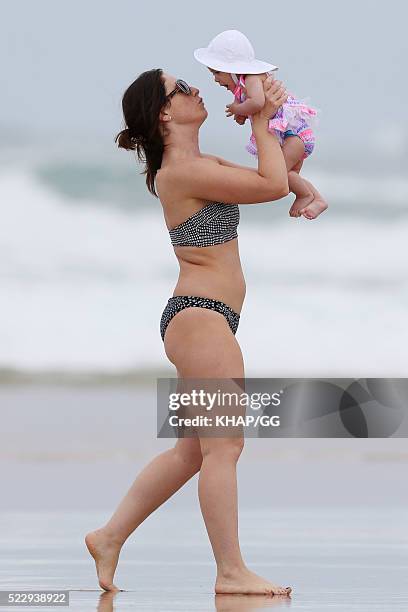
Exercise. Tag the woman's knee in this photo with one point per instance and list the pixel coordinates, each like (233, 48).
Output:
(222, 448)
(188, 450)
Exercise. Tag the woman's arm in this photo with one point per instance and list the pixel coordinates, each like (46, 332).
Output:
(225, 162)
(203, 178)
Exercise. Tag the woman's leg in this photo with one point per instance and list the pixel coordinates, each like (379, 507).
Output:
(158, 481)
(201, 345)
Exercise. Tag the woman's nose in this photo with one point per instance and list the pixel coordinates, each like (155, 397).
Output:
(195, 91)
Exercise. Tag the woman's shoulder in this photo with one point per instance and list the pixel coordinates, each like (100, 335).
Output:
(184, 167)
(167, 173)
(171, 179)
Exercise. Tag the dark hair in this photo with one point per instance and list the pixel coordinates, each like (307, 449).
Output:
(141, 105)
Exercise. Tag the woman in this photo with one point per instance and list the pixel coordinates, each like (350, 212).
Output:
(199, 195)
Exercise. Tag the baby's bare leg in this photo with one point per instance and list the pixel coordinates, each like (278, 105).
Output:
(293, 150)
(310, 208)
(317, 206)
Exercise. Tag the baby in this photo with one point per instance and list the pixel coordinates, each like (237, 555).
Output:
(231, 59)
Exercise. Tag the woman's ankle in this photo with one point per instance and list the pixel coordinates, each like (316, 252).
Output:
(231, 570)
(112, 535)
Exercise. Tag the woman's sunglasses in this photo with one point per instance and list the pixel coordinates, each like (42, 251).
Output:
(181, 87)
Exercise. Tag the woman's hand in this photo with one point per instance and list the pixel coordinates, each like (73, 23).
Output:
(275, 96)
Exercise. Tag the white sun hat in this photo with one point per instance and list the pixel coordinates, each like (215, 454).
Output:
(232, 52)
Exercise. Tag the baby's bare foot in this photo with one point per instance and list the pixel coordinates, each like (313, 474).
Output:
(247, 583)
(314, 209)
(105, 551)
(300, 204)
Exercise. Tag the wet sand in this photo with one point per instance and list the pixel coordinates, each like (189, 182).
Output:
(344, 560)
(328, 517)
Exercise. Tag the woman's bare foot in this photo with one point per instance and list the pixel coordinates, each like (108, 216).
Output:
(300, 204)
(314, 209)
(245, 582)
(105, 551)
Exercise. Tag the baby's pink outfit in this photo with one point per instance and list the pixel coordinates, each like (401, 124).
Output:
(294, 118)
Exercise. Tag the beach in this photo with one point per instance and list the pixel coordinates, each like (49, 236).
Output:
(87, 267)
(343, 560)
(326, 516)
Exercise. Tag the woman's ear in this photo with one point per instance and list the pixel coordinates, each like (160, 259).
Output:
(164, 116)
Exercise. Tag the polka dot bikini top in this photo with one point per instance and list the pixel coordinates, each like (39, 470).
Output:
(215, 223)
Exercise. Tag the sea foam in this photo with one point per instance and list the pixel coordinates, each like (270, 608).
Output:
(83, 287)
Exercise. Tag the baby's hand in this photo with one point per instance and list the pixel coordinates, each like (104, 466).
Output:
(240, 119)
(231, 109)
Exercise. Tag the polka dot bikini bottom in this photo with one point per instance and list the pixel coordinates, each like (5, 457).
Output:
(179, 302)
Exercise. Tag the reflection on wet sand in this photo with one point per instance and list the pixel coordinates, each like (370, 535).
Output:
(222, 603)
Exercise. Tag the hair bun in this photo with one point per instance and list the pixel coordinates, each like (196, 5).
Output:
(125, 140)
(139, 139)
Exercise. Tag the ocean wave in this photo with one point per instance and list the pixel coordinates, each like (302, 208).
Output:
(83, 287)
(356, 193)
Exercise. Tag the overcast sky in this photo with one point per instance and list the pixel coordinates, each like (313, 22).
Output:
(66, 64)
